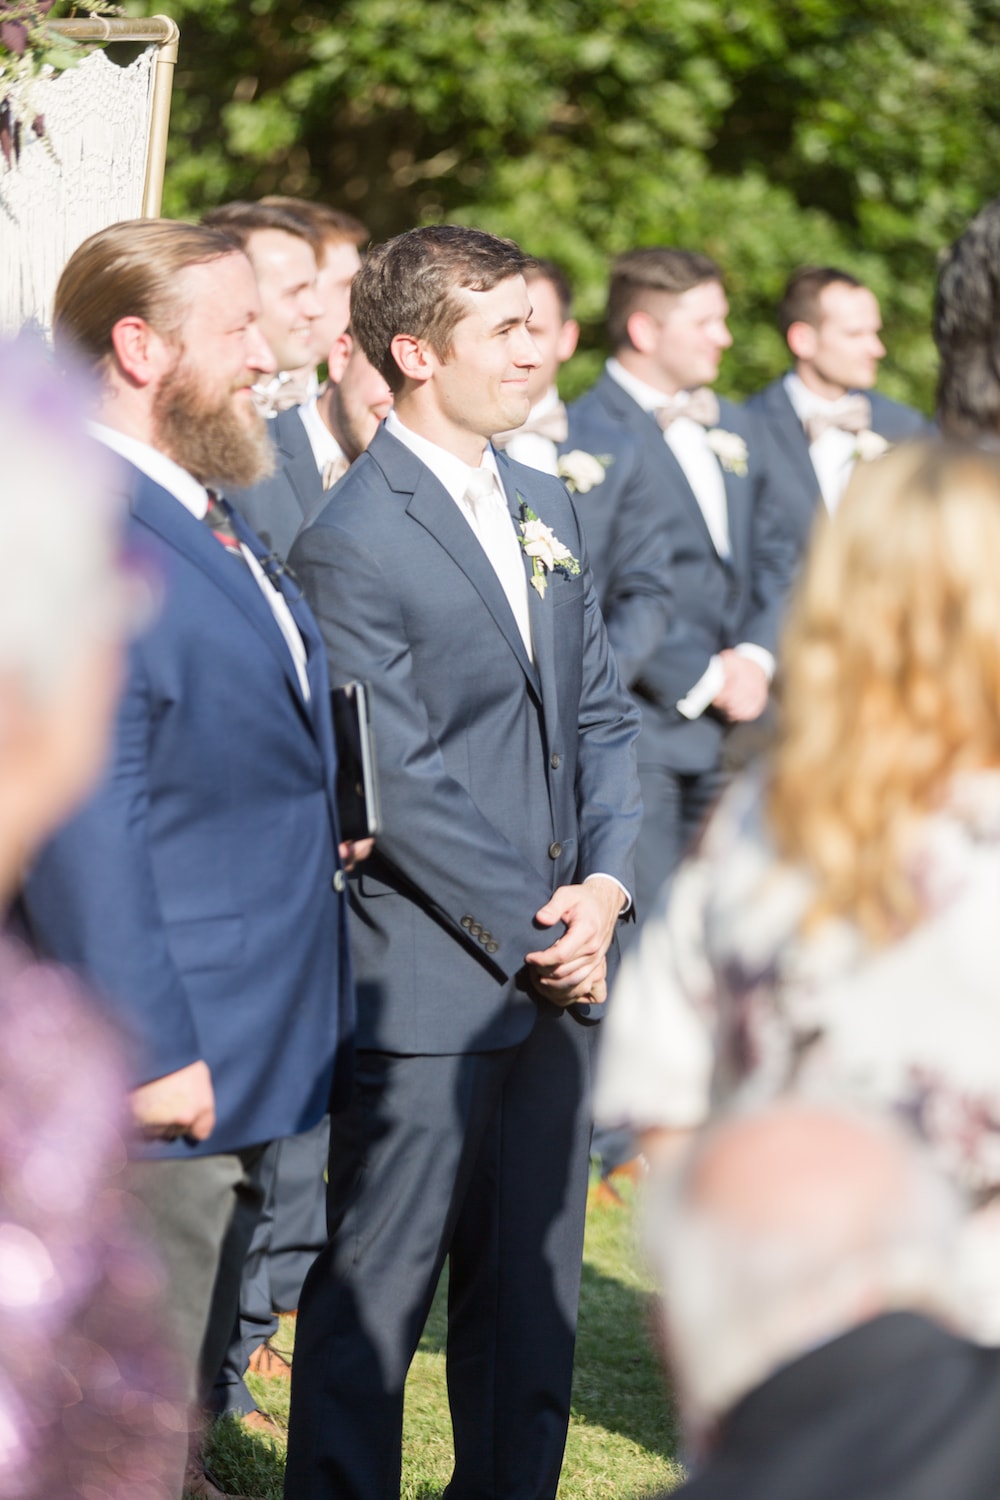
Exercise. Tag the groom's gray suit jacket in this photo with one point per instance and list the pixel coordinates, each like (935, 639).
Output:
(500, 779)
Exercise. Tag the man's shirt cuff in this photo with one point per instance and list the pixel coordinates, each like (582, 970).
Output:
(705, 690)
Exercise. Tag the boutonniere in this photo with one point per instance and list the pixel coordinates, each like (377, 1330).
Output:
(730, 449)
(547, 553)
(583, 471)
(869, 445)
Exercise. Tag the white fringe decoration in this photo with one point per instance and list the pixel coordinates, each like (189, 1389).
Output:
(86, 173)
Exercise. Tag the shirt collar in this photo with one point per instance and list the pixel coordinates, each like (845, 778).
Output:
(157, 467)
(643, 394)
(451, 471)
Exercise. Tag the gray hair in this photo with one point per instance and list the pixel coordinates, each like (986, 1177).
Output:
(60, 528)
(744, 1293)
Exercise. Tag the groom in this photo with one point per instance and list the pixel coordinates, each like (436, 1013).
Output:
(481, 927)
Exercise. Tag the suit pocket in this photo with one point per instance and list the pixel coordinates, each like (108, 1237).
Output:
(207, 943)
(569, 591)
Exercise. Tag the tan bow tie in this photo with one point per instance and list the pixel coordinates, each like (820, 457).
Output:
(283, 393)
(551, 423)
(852, 414)
(702, 406)
(334, 469)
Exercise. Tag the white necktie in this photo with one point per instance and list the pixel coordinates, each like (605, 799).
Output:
(487, 510)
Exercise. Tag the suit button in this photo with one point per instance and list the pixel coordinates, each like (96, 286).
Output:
(338, 881)
(555, 761)
(492, 947)
(476, 930)
(467, 923)
(555, 850)
(485, 937)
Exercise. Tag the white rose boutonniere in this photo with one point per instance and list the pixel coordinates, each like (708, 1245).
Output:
(870, 445)
(547, 553)
(729, 448)
(583, 471)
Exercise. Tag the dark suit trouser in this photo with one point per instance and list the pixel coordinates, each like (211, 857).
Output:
(289, 1235)
(483, 1156)
(202, 1213)
(675, 805)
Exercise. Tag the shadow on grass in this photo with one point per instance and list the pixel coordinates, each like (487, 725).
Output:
(618, 1383)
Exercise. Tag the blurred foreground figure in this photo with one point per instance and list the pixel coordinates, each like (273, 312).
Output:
(967, 331)
(805, 1258)
(836, 926)
(89, 1405)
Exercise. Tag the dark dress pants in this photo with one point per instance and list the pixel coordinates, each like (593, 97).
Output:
(675, 805)
(481, 1158)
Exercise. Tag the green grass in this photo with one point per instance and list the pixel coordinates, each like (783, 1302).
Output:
(621, 1438)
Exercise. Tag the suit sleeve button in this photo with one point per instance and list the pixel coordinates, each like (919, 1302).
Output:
(556, 761)
(338, 882)
(555, 850)
(467, 923)
(475, 929)
(492, 947)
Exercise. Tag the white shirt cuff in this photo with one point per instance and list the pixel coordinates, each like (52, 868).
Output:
(763, 658)
(600, 875)
(707, 688)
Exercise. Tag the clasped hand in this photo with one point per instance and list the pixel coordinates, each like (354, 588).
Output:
(574, 968)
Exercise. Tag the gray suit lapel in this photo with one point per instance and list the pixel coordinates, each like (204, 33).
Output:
(434, 509)
(790, 434)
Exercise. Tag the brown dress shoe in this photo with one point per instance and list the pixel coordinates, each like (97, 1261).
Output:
(267, 1361)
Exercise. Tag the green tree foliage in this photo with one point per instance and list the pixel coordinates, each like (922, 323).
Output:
(767, 132)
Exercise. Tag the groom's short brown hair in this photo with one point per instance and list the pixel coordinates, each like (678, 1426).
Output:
(408, 284)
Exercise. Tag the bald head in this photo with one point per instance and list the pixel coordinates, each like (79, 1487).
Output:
(801, 1172)
(785, 1227)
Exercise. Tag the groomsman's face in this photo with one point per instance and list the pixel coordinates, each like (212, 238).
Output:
(285, 267)
(846, 348)
(203, 410)
(684, 339)
(555, 336)
(482, 382)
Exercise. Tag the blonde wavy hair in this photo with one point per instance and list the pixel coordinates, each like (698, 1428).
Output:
(891, 676)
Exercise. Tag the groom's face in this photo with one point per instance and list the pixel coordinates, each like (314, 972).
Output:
(483, 380)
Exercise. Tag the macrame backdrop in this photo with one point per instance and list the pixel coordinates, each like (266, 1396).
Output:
(86, 173)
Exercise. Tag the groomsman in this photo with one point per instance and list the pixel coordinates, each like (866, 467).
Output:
(315, 444)
(200, 886)
(824, 413)
(729, 564)
(613, 487)
(454, 580)
(284, 252)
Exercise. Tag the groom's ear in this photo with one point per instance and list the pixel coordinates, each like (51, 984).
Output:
(415, 360)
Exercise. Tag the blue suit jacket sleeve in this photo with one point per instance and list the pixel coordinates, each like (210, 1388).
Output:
(92, 899)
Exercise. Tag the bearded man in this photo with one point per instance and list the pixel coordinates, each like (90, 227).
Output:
(201, 888)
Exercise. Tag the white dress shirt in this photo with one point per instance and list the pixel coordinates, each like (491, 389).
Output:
(688, 442)
(326, 449)
(530, 447)
(834, 454)
(194, 497)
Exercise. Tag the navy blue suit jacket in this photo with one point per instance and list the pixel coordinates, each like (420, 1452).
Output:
(794, 478)
(197, 886)
(500, 779)
(628, 542)
(278, 507)
(717, 602)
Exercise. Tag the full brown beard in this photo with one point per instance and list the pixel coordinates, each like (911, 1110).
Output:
(216, 443)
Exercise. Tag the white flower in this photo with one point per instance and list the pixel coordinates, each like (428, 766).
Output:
(729, 448)
(582, 471)
(541, 541)
(870, 445)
